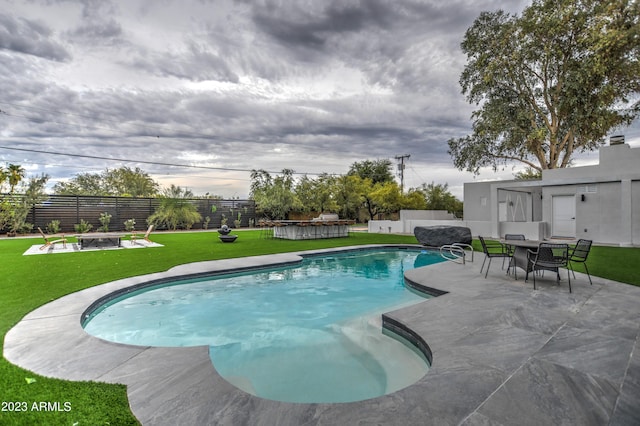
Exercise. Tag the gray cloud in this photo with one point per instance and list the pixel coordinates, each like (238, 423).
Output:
(197, 64)
(313, 86)
(30, 37)
(109, 31)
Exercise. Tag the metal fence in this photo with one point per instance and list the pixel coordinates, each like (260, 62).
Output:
(71, 209)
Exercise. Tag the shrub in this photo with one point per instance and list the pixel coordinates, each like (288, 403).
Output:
(53, 227)
(130, 225)
(82, 227)
(105, 220)
(175, 213)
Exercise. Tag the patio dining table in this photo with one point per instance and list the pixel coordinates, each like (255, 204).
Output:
(519, 257)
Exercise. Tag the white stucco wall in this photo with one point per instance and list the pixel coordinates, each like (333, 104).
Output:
(610, 212)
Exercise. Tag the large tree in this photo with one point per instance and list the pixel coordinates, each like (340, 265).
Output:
(274, 196)
(438, 197)
(348, 196)
(379, 171)
(317, 195)
(550, 83)
(124, 182)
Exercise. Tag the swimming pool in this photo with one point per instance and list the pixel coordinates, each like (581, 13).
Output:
(304, 333)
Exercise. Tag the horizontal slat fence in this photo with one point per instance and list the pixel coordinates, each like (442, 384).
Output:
(70, 209)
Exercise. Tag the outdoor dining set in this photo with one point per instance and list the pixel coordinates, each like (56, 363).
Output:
(535, 257)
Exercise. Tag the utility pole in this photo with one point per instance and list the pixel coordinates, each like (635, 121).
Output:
(401, 169)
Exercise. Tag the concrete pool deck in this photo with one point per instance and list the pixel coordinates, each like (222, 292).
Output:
(503, 354)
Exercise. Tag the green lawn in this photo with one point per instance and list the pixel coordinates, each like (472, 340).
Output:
(31, 281)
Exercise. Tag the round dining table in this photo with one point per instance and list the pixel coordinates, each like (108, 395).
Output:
(520, 255)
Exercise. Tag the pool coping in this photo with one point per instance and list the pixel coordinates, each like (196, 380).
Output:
(500, 350)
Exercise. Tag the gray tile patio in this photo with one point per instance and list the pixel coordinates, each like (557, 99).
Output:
(503, 354)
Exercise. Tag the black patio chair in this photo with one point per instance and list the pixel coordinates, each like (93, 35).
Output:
(549, 257)
(492, 249)
(579, 254)
(511, 249)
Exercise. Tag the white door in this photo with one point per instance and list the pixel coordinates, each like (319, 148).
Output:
(502, 211)
(564, 216)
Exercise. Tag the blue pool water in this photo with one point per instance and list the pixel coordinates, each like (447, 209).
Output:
(307, 333)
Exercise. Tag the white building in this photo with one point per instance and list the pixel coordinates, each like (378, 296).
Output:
(599, 203)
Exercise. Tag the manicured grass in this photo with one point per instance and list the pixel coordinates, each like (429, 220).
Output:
(31, 281)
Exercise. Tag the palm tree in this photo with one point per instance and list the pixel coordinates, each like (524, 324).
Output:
(15, 174)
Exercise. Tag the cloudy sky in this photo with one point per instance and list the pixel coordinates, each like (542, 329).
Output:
(230, 86)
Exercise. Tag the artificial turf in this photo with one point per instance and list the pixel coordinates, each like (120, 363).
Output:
(28, 282)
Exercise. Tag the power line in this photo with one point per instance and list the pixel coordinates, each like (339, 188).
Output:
(157, 163)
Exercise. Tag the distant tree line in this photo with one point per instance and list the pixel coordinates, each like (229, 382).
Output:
(368, 185)
(121, 182)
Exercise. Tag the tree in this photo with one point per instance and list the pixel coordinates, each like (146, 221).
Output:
(82, 184)
(317, 195)
(348, 196)
(379, 198)
(123, 182)
(305, 193)
(550, 83)
(130, 182)
(528, 174)
(12, 174)
(379, 171)
(274, 197)
(414, 200)
(15, 173)
(438, 197)
(15, 207)
(385, 197)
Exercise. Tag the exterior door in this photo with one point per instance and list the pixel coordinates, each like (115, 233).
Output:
(502, 211)
(564, 216)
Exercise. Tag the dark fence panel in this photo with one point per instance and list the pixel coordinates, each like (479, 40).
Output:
(70, 209)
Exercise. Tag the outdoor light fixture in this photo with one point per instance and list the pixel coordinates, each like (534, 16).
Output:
(583, 197)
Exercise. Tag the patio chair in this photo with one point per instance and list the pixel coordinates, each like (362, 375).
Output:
(579, 255)
(134, 235)
(492, 249)
(549, 257)
(48, 241)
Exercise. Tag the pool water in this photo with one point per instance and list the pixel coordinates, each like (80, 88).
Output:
(307, 333)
